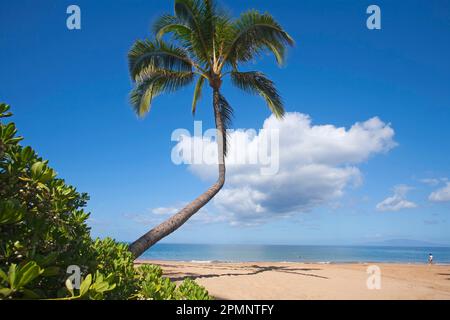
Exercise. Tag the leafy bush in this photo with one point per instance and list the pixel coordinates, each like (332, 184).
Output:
(18, 278)
(115, 258)
(41, 218)
(190, 290)
(91, 289)
(43, 230)
(153, 286)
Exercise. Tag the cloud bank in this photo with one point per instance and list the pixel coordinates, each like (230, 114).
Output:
(316, 164)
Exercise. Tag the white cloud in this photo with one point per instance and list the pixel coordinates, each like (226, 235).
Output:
(433, 182)
(165, 210)
(316, 164)
(157, 215)
(398, 201)
(441, 195)
(430, 181)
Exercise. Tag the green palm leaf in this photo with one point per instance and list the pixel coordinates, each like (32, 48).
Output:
(192, 14)
(154, 83)
(197, 93)
(255, 33)
(226, 115)
(170, 24)
(147, 56)
(257, 83)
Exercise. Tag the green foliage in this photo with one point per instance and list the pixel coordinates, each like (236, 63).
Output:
(43, 230)
(41, 218)
(257, 83)
(153, 286)
(91, 289)
(18, 279)
(115, 259)
(11, 211)
(190, 290)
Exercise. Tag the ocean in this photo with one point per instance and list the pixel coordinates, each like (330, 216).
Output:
(295, 253)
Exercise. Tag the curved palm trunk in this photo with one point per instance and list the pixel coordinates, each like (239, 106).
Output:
(139, 246)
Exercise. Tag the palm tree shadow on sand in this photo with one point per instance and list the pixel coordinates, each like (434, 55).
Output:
(249, 270)
(445, 274)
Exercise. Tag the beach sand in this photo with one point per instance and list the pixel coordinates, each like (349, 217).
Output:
(277, 280)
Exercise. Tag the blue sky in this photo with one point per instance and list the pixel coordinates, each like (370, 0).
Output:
(69, 92)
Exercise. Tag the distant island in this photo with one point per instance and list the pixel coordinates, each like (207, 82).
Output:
(405, 243)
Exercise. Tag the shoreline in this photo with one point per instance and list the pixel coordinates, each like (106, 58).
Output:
(149, 261)
(299, 280)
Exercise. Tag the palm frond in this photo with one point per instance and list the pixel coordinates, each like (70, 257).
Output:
(257, 83)
(147, 56)
(226, 115)
(223, 34)
(188, 11)
(208, 22)
(153, 84)
(192, 14)
(255, 33)
(141, 98)
(171, 24)
(197, 93)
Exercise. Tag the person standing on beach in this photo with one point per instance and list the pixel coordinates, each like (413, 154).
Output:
(430, 259)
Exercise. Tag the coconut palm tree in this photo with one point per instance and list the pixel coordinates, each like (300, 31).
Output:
(203, 45)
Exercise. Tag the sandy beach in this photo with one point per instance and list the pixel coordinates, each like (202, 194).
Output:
(275, 280)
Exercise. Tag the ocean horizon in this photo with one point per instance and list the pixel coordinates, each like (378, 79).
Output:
(209, 253)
